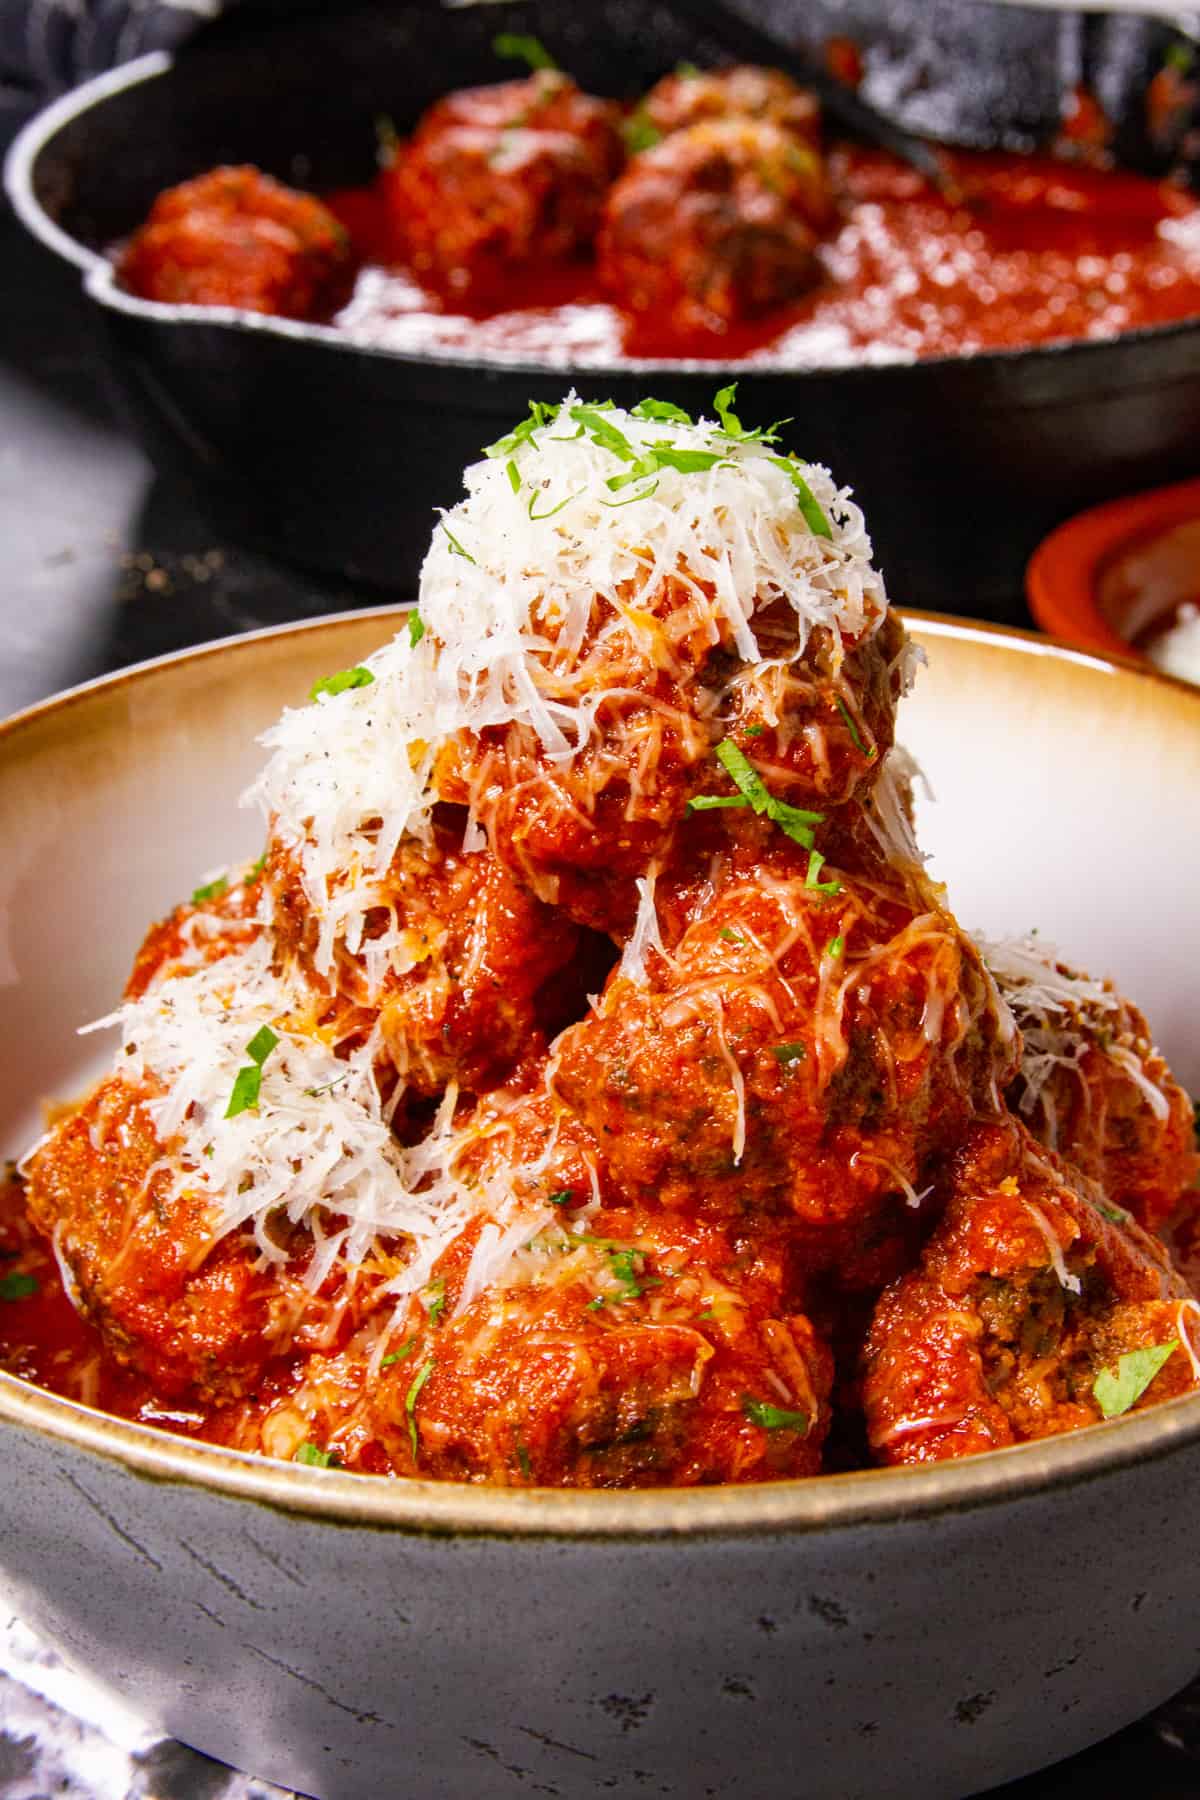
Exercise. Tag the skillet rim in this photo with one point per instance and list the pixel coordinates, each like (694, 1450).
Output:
(99, 283)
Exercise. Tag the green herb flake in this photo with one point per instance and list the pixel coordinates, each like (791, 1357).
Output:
(410, 1405)
(723, 406)
(732, 937)
(540, 414)
(563, 1197)
(661, 410)
(434, 1300)
(641, 133)
(806, 500)
(523, 1462)
(708, 1314)
(456, 547)
(17, 1286)
(261, 1045)
(789, 1053)
(211, 890)
(247, 1087)
(774, 1418)
(793, 821)
(686, 71)
(716, 802)
(341, 682)
(520, 46)
(416, 628)
(316, 1459)
(602, 432)
(1117, 1390)
(752, 730)
(852, 728)
(514, 476)
(1115, 1215)
(812, 879)
(835, 946)
(551, 510)
(258, 868)
(398, 1356)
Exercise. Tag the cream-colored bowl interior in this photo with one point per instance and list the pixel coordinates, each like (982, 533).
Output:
(1064, 797)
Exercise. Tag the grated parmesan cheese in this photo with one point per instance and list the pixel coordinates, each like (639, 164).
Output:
(522, 594)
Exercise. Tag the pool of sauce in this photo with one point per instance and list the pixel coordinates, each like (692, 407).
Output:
(1029, 250)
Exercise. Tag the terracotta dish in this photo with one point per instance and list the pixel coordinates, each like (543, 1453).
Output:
(956, 1626)
(1111, 578)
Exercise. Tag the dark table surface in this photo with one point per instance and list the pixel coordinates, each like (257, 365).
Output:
(106, 564)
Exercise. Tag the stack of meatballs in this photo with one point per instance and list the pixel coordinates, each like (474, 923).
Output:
(647, 1118)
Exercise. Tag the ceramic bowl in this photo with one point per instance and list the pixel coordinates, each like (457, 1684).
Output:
(920, 1633)
(1108, 574)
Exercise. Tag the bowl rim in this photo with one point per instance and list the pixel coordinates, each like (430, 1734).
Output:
(438, 1509)
(1062, 573)
(99, 282)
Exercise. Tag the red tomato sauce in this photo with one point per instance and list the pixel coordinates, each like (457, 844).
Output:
(1030, 250)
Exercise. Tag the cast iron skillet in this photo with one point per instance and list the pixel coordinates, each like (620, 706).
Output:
(335, 455)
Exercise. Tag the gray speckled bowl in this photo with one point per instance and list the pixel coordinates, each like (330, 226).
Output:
(915, 1633)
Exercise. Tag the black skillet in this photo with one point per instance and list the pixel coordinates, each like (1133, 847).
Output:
(334, 455)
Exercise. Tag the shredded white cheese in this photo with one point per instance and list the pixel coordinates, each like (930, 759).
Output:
(528, 585)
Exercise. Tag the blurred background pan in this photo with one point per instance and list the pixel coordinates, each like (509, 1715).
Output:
(333, 454)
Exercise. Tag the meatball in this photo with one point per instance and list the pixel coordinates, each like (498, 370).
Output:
(189, 1317)
(503, 178)
(460, 966)
(644, 1349)
(690, 97)
(1092, 1085)
(718, 223)
(1031, 1290)
(235, 237)
(580, 834)
(802, 1048)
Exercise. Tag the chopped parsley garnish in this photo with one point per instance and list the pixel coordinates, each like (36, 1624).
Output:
(339, 683)
(773, 1418)
(416, 628)
(789, 1053)
(551, 510)
(523, 1461)
(248, 1083)
(17, 1286)
(410, 1404)
(641, 133)
(835, 946)
(258, 868)
(661, 410)
(210, 891)
(715, 802)
(732, 937)
(433, 1299)
(1117, 1389)
(519, 46)
(316, 1459)
(563, 1197)
(1115, 1215)
(327, 1087)
(793, 821)
(603, 432)
(752, 731)
(455, 546)
(514, 475)
(816, 862)
(852, 728)
(686, 71)
(540, 413)
(708, 1313)
(806, 500)
(400, 1354)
